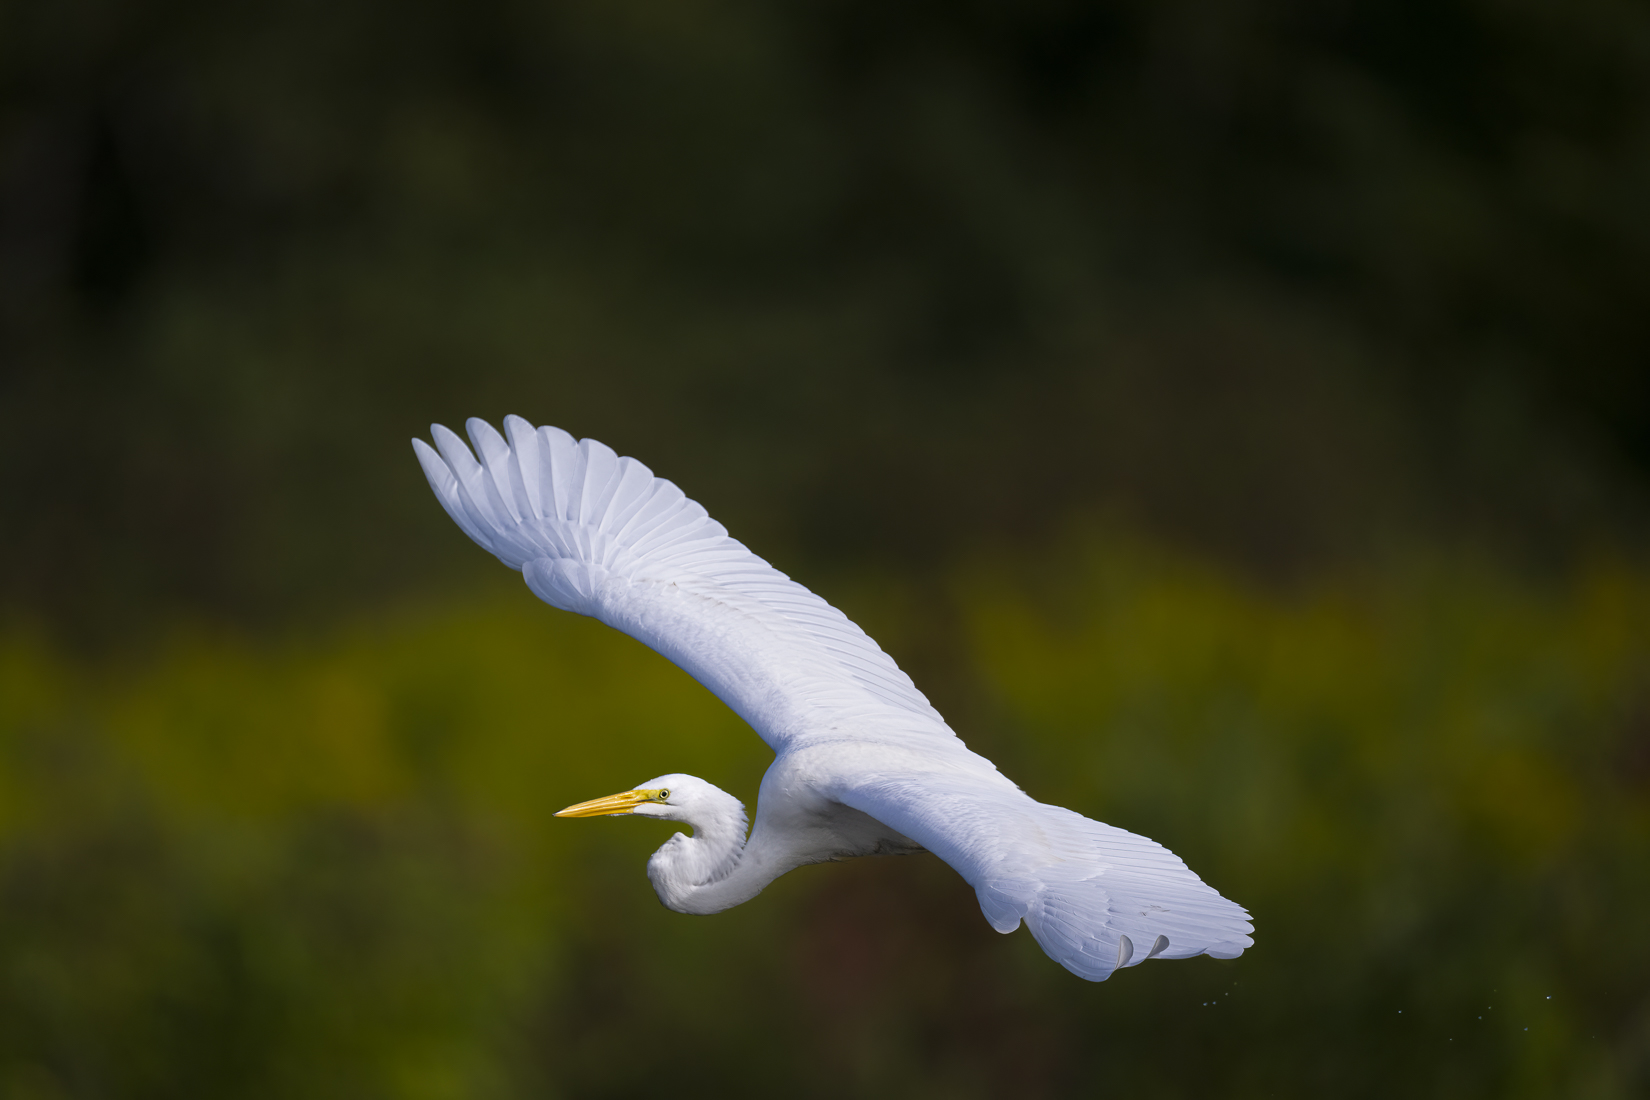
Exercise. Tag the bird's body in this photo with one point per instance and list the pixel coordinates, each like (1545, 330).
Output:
(863, 764)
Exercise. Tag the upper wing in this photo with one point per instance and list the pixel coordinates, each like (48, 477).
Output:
(1096, 897)
(600, 535)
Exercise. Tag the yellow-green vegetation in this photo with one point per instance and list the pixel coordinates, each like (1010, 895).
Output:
(327, 868)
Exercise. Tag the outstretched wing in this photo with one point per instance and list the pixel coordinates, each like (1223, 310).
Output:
(599, 535)
(1095, 897)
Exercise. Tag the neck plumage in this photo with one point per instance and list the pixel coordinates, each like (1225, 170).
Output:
(715, 868)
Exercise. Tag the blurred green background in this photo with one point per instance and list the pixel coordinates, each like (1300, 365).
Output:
(1235, 416)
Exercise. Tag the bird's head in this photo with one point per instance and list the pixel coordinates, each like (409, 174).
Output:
(684, 864)
(673, 797)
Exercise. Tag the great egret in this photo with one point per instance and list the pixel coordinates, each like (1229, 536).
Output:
(863, 764)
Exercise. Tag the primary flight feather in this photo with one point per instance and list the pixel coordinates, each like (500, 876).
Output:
(863, 765)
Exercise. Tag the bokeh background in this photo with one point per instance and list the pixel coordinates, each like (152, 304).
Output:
(1235, 415)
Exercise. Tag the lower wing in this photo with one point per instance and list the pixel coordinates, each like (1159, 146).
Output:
(1095, 897)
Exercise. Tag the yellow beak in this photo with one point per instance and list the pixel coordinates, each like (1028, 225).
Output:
(625, 802)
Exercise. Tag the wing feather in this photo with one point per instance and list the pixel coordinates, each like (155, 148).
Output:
(601, 480)
(665, 496)
(635, 489)
(567, 467)
(497, 460)
(528, 464)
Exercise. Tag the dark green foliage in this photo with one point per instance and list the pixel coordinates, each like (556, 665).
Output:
(1323, 292)
(331, 869)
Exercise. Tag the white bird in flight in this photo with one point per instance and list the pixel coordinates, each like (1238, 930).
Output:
(863, 765)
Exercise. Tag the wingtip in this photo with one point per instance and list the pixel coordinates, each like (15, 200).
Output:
(483, 435)
(436, 468)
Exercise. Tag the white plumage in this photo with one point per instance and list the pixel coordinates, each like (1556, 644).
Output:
(863, 763)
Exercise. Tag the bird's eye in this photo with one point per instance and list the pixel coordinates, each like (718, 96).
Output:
(664, 794)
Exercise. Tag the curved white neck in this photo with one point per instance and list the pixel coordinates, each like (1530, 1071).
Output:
(714, 869)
